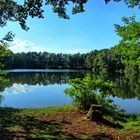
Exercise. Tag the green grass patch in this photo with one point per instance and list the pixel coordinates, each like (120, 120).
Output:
(133, 122)
(46, 111)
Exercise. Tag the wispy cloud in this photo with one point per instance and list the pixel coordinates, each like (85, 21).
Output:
(25, 46)
(19, 45)
(73, 51)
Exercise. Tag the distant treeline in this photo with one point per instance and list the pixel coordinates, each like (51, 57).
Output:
(97, 60)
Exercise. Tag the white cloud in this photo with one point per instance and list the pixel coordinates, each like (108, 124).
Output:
(25, 46)
(73, 51)
(17, 89)
(19, 45)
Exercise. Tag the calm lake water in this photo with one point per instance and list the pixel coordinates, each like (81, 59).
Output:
(43, 88)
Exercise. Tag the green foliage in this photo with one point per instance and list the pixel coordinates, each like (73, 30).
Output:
(3, 82)
(88, 94)
(81, 91)
(129, 32)
(4, 52)
(14, 11)
(132, 3)
(129, 45)
(43, 60)
(103, 60)
(87, 91)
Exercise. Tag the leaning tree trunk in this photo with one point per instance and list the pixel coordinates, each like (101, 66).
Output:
(95, 112)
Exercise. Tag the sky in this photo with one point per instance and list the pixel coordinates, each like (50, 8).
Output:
(84, 32)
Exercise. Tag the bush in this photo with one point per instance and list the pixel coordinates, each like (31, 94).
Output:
(86, 92)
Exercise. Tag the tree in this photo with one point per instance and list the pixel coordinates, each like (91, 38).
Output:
(3, 52)
(129, 45)
(11, 10)
(3, 82)
(87, 92)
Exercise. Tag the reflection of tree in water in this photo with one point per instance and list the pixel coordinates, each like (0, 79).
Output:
(40, 78)
(3, 84)
(127, 84)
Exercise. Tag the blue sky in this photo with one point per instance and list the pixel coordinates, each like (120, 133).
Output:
(84, 32)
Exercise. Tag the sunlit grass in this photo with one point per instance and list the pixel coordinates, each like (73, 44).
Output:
(46, 111)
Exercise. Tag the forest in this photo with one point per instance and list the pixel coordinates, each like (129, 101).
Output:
(124, 54)
(95, 60)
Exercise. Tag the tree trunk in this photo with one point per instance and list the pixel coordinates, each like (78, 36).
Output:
(95, 112)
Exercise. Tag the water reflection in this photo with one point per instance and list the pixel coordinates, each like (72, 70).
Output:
(42, 89)
(37, 89)
(127, 84)
(36, 97)
(127, 88)
(3, 84)
(41, 78)
(17, 89)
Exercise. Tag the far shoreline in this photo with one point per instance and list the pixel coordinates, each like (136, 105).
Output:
(42, 70)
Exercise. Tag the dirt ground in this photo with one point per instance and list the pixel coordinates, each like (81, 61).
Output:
(62, 125)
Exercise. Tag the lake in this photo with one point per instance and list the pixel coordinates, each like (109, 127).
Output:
(43, 88)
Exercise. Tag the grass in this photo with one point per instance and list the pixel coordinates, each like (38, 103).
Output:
(62, 122)
(132, 127)
(46, 111)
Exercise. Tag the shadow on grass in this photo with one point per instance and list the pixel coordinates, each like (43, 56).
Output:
(102, 136)
(13, 125)
(109, 123)
(99, 119)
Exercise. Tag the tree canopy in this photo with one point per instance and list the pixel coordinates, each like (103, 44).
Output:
(11, 10)
(129, 45)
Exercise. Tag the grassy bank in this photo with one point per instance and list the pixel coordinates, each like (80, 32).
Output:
(62, 122)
